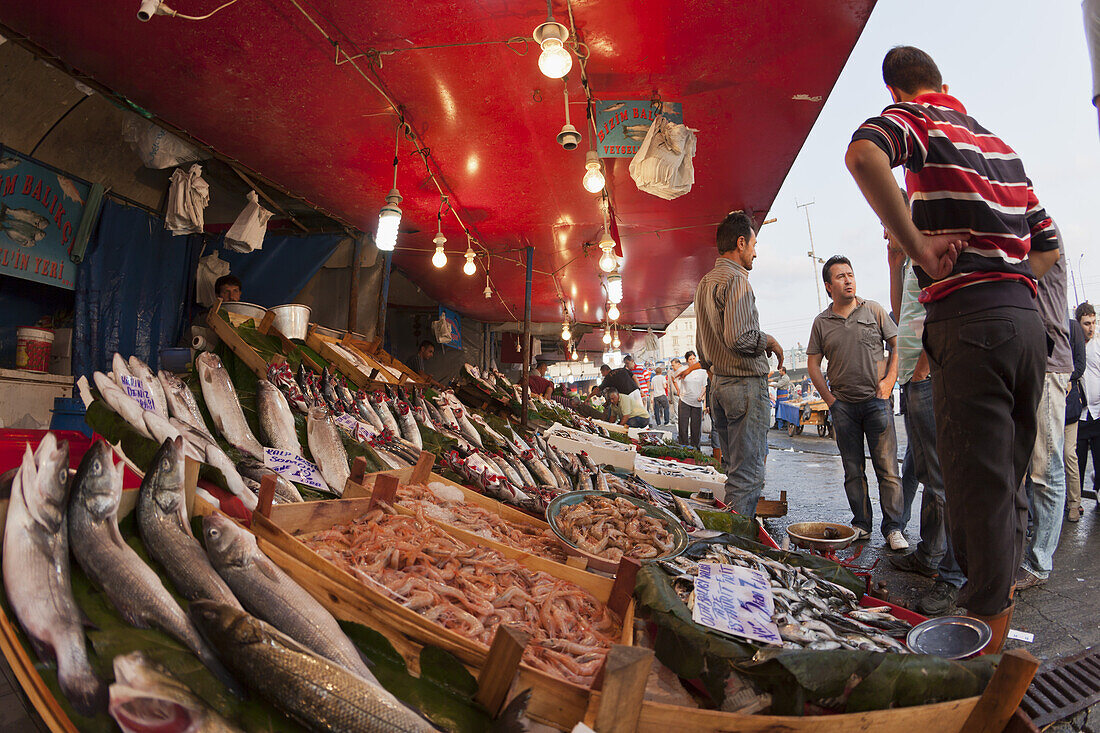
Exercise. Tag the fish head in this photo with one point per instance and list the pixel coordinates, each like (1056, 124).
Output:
(165, 478)
(98, 483)
(146, 698)
(46, 494)
(225, 626)
(119, 364)
(206, 362)
(227, 544)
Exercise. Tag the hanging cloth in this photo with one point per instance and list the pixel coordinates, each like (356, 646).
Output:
(247, 232)
(209, 270)
(188, 197)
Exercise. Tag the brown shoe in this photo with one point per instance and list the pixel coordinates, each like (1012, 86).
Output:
(1026, 579)
(1074, 514)
(999, 625)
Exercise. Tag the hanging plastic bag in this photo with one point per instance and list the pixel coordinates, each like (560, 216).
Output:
(188, 197)
(662, 166)
(247, 232)
(209, 270)
(157, 147)
(442, 331)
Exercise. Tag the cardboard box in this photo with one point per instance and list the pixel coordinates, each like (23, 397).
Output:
(694, 478)
(600, 450)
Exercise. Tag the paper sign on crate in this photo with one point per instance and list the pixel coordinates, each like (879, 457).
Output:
(139, 392)
(736, 601)
(294, 468)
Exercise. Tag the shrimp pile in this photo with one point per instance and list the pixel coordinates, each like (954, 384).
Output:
(472, 590)
(613, 528)
(483, 522)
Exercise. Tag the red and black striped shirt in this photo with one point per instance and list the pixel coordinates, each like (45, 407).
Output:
(961, 178)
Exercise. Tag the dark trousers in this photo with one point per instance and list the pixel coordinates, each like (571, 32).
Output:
(872, 419)
(987, 380)
(660, 407)
(691, 421)
(1088, 441)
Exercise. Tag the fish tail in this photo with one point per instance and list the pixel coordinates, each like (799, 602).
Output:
(86, 692)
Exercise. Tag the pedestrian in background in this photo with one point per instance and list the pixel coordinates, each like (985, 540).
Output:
(658, 387)
(734, 348)
(692, 385)
(675, 367)
(849, 334)
(975, 231)
(1047, 475)
(1088, 429)
(1074, 403)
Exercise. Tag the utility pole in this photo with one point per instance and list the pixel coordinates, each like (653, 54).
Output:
(1081, 277)
(814, 260)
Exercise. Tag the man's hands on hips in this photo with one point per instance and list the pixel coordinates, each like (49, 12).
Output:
(773, 347)
(885, 389)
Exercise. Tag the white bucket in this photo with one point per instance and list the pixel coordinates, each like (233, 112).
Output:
(32, 349)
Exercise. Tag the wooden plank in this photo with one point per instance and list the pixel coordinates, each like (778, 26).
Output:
(267, 495)
(236, 344)
(265, 324)
(623, 590)
(422, 471)
(345, 366)
(1003, 693)
(625, 673)
(385, 491)
(358, 469)
(500, 667)
(31, 682)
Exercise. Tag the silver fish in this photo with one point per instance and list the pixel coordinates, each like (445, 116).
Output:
(686, 512)
(383, 409)
(509, 470)
(146, 697)
(163, 430)
(128, 409)
(318, 693)
(217, 458)
(181, 402)
(225, 408)
(142, 371)
(166, 531)
(327, 449)
(131, 585)
(541, 472)
(467, 428)
(285, 491)
(273, 596)
(276, 419)
(120, 368)
(363, 407)
(36, 571)
(409, 429)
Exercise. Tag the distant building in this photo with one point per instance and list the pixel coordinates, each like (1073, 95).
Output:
(679, 337)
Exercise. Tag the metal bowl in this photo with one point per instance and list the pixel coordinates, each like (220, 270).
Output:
(250, 310)
(950, 637)
(821, 535)
(292, 320)
(680, 542)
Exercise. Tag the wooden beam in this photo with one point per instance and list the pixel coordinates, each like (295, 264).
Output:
(385, 490)
(1003, 693)
(624, 678)
(623, 589)
(267, 495)
(358, 469)
(500, 667)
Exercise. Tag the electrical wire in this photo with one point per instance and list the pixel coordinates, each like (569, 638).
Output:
(165, 10)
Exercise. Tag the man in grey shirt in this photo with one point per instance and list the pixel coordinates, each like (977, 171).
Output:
(1047, 475)
(849, 334)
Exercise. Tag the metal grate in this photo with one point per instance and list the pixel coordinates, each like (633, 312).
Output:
(1063, 688)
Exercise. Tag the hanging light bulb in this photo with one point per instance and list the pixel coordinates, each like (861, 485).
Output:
(439, 259)
(566, 334)
(616, 343)
(607, 335)
(389, 219)
(555, 61)
(593, 180)
(488, 289)
(573, 355)
(613, 312)
(615, 288)
(469, 268)
(585, 360)
(608, 261)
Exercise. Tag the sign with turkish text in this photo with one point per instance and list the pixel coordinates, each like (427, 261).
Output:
(736, 601)
(622, 124)
(138, 392)
(40, 210)
(295, 469)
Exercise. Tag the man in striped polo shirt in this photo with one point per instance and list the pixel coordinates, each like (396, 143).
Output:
(732, 346)
(974, 231)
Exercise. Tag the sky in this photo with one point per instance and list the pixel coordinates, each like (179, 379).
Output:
(1021, 69)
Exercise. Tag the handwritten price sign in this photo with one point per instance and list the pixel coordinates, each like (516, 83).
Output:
(294, 468)
(736, 601)
(138, 391)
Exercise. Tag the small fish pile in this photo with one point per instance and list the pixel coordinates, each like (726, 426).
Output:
(613, 528)
(473, 590)
(810, 611)
(448, 505)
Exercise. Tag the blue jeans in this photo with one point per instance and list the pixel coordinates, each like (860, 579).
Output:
(935, 548)
(741, 414)
(873, 419)
(909, 480)
(660, 407)
(1048, 476)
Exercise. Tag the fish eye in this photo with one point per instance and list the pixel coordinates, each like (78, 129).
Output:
(97, 466)
(214, 534)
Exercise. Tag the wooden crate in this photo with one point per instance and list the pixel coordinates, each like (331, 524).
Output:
(554, 701)
(226, 330)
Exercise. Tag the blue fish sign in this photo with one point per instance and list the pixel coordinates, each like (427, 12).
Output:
(621, 124)
(40, 210)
